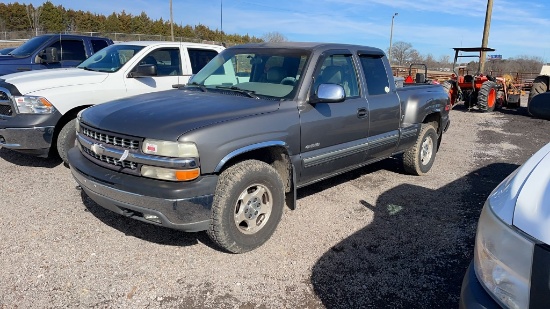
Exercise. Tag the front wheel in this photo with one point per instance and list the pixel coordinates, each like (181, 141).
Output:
(419, 159)
(248, 205)
(487, 96)
(66, 140)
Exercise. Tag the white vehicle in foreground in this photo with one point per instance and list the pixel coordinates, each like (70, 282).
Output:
(38, 108)
(511, 266)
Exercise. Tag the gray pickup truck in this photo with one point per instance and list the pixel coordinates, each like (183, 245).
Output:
(225, 152)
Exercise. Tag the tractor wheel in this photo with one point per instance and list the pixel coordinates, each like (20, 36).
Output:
(451, 89)
(540, 85)
(487, 96)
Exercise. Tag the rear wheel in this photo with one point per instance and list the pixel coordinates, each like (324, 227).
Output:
(487, 96)
(248, 205)
(540, 85)
(419, 159)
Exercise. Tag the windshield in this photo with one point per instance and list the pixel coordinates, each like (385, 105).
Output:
(29, 47)
(110, 58)
(256, 73)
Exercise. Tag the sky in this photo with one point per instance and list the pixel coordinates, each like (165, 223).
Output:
(518, 27)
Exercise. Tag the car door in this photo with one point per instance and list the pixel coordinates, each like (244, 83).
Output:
(167, 61)
(384, 106)
(334, 135)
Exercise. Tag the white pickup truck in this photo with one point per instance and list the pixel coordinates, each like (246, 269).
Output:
(38, 108)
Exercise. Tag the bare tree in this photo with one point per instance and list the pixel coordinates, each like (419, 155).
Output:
(33, 15)
(402, 53)
(274, 37)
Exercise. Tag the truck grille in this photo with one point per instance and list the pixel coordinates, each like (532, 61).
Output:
(5, 104)
(110, 160)
(126, 143)
(6, 110)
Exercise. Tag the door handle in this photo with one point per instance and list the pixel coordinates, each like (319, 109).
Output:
(362, 112)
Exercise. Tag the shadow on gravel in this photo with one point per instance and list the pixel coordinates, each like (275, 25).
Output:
(415, 252)
(22, 159)
(145, 231)
(393, 164)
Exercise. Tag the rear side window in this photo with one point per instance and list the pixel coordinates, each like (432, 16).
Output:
(98, 45)
(375, 75)
(200, 57)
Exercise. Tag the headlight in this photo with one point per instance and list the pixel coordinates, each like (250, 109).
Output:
(503, 259)
(77, 122)
(33, 105)
(169, 174)
(170, 149)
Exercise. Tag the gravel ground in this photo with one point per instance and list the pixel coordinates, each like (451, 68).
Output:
(374, 237)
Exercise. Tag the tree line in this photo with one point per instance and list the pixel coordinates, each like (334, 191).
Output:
(48, 18)
(403, 54)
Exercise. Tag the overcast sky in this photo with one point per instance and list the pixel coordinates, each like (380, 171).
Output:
(518, 27)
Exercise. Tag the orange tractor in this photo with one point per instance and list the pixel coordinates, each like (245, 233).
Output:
(482, 91)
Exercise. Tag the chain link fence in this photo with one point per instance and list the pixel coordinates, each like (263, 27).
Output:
(17, 37)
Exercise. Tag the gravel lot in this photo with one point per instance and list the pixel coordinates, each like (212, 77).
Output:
(374, 237)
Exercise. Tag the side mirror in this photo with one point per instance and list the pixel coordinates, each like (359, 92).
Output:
(329, 93)
(144, 70)
(48, 55)
(539, 106)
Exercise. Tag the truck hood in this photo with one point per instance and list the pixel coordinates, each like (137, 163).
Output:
(31, 81)
(166, 115)
(532, 211)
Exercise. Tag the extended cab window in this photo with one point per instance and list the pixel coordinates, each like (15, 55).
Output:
(200, 57)
(375, 74)
(167, 61)
(338, 69)
(98, 45)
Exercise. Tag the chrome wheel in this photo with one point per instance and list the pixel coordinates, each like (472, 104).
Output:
(426, 150)
(253, 209)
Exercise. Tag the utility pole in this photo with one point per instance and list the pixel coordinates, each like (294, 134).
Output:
(221, 21)
(391, 36)
(171, 22)
(486, 34)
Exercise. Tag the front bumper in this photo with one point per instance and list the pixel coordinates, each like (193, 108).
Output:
(28, 133)
(36, 141)
(183, 206)
(473, 295)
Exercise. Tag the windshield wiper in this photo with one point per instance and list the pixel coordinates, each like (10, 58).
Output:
(87, 69)
(195, 84)
(249, 93)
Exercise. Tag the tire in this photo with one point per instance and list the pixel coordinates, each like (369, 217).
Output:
(540, 85)
(248, 205)
(539, 107)
(451, 90)
(66, 140)
(419, 159)
(487, 96)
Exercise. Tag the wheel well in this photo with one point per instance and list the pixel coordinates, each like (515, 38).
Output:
(68, 116)
(275, 156)
(434, 119)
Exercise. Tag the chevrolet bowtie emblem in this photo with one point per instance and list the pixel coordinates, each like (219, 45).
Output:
(98, 149)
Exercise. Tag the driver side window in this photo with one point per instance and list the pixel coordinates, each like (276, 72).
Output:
(338, 69)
